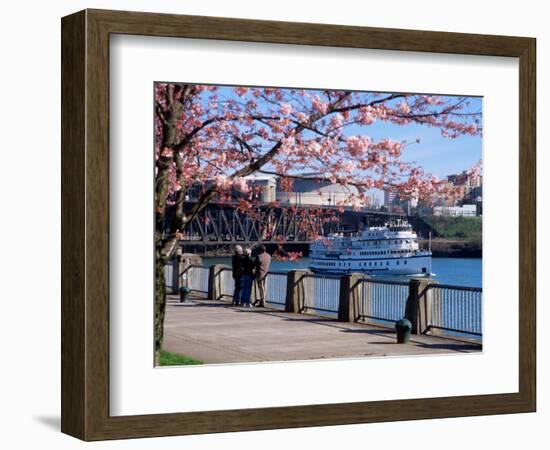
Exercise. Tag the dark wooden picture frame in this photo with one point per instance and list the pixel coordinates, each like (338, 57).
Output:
(85, 224)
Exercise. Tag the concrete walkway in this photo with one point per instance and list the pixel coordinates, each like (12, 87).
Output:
(216, 332)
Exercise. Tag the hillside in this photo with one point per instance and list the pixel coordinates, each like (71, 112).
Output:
(454, 228)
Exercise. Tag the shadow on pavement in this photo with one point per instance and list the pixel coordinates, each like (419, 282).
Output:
(367, 331)
(458, 347)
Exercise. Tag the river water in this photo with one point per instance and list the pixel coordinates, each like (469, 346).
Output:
(455, 271)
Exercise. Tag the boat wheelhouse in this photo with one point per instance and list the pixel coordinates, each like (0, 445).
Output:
(388, 249)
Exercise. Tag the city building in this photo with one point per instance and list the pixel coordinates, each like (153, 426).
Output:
(390, 197)
(455, 211)
(467, 179)
(315, 189)
(393, 202)
(264, 187)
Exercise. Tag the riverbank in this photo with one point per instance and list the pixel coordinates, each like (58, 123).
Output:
(454, 248)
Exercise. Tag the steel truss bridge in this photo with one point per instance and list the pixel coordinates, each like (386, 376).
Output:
(225, 224)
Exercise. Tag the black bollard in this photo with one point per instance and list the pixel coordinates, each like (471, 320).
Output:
(184, 294)
(403, 330)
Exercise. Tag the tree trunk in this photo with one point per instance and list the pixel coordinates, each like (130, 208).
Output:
(160, 303)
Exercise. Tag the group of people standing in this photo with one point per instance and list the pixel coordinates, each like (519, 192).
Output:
(246, 270)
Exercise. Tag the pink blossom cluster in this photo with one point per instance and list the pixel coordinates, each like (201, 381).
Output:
(241, 91)
(358, 146)
(285, 109)
(336, 122)
(404, 108)
(367, 115)
(318, 105)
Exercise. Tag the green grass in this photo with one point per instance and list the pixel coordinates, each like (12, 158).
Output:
(455, 227)
(175, 359)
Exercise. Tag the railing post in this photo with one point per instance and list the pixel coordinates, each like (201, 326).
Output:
(175, 276)
(411, 307)
(348, 302)
(294, 291)
(425, 305)
(418, 308)
(183, 268)
(214, 284)
(167, 281)
(183, 264)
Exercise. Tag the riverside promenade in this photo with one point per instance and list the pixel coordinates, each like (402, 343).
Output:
(215, 332)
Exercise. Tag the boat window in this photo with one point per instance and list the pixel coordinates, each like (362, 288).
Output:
(405, 262)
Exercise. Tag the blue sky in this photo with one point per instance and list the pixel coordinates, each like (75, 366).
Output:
(438, 155)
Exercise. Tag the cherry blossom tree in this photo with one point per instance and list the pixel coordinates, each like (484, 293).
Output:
(214, 137)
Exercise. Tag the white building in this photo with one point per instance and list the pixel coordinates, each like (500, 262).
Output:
(267, 185)
(456, 211)
(316, 190)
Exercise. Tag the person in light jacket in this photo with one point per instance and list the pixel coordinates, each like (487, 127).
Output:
(262, 263)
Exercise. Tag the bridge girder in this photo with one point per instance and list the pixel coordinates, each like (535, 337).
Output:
(225, 224)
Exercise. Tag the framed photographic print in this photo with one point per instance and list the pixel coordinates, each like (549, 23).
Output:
(273, 225)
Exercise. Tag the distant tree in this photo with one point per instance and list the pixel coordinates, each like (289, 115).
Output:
(215, 137)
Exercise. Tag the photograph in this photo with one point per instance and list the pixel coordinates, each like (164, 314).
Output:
(297, 224)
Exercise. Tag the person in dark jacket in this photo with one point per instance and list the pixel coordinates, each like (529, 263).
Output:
(247, 278)
(262, 263)
(237, 266)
